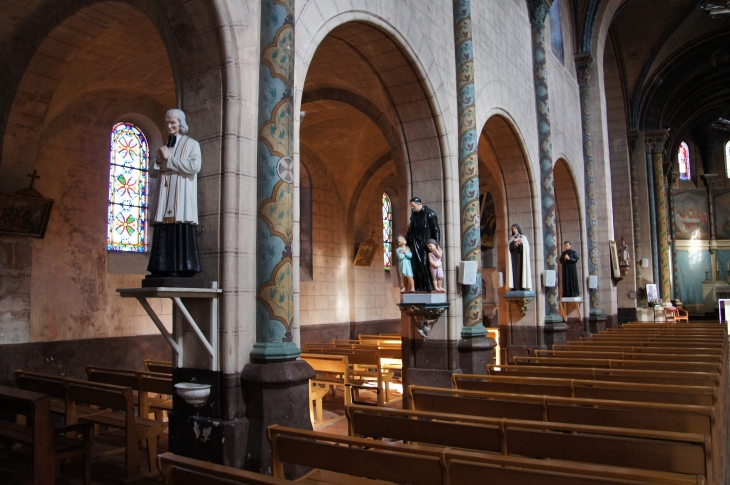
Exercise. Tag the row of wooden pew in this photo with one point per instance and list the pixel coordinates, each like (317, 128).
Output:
(369, 363)
(107, 399)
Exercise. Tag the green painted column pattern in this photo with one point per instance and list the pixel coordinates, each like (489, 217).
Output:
(657, 143)
(538, 11)
(275, 183)
(673, 233)
(583, 64)
(633, 141)
(468, 167)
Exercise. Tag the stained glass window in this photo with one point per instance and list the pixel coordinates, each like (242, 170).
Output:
(684, 165)
(727, 158)
(387, 231)
(126, 219)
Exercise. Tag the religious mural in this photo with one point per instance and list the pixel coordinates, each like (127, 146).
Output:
(722, 215)
(690, 215)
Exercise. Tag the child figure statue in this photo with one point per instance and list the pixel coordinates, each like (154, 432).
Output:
(434, 261)
(404, 264)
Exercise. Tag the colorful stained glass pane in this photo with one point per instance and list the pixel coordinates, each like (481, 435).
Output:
(727, 159)
(126, 219)
(684, 165)
(387, 231)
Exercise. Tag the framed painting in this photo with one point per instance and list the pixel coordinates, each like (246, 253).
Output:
(690, 215)
(652, 293)
(615, 268)
(365, 253)
(23, 216)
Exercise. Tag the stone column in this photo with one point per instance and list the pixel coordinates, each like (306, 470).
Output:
(583, 64)
(672, 176)
(656, 142)
(633, 139)
(538, 11)
(275, 385)
(474, 352)
(652, 212)
(710, 179)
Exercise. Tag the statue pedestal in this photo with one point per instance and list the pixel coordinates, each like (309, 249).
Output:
(521, 298)
(429, 357)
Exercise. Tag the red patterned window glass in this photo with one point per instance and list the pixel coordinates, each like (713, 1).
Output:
(126, 218)
(685, 172)
(387, 231)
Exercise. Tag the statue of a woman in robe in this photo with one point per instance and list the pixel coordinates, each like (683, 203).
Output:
(519, 276)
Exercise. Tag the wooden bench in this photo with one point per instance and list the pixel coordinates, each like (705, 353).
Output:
(598, 346)
(588, 389)
(352, 460)
(628, 355)
(49, 444)
(156, 383)
(114, 399)
(181, 470)
(158, 366)
(705, 379)
(710, 367)
(681, 453)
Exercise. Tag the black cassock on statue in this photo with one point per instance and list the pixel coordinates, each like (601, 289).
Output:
(424, 225)
(570, 273)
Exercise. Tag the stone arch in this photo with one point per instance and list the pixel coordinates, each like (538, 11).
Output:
(570, 221)
(503, 159)
(376, 80)
(65, 91)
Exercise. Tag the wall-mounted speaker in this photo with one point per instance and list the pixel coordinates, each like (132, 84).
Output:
(593, 282)
(467, 272)
(645, 263)
(550, 278)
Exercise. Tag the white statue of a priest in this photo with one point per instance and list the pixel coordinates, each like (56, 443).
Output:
(175, 242)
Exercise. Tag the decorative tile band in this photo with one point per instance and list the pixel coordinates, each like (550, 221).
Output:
(275, 184)
(468, 162)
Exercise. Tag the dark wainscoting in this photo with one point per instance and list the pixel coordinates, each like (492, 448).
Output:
(627, 314)
(349, 330)
(69, 358)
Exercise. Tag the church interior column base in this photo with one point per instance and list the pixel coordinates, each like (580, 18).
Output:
(475, 354)
(214, 430)
(275, 393)
(555, 326)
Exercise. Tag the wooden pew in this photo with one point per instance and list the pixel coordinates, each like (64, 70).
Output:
(621, 364)
(588, 389)
(681, 453)
(114, 399)
(54, 387)
(347, 460)
(705, 379)
(628, 355)
(49, 444)
(679, 418)
(181, 470)
(598, 346)
(157, 383)
(158, 366)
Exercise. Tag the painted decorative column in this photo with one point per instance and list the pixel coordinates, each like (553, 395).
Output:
(538, 11)
(275, 227)
(672, 176)
(657, 141)
(583, 64)
(633, 140)
(468, 167)
(652, 211)
(275, 384)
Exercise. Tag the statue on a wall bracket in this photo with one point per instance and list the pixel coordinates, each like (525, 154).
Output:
(519, 275)
(424, 225)
(568, 260)
(174, 250)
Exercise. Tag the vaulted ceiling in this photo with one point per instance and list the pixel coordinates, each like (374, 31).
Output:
(674, 62)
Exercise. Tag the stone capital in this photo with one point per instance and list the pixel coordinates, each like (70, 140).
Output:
(583, 67)
(632, 138)
(709, 179)
(538, 11)
(656, 141)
